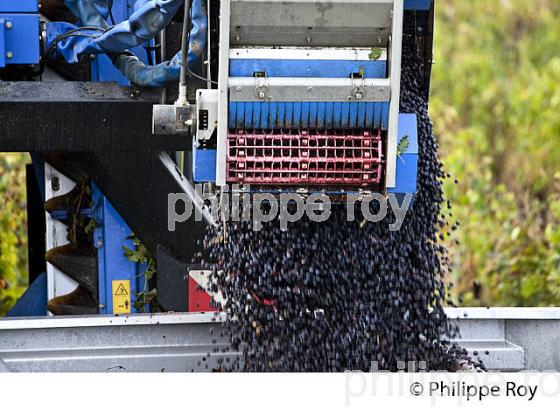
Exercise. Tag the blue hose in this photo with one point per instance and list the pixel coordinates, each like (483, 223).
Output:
(90, 12)
(149, 17)
(156, 76)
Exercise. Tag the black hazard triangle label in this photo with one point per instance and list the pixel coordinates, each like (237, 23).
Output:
(121, 291)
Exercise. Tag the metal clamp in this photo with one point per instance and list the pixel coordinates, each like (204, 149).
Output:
(173, 119)
(261, 87)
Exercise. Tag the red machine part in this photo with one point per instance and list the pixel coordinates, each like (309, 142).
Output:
(304, 159)
(200, 296)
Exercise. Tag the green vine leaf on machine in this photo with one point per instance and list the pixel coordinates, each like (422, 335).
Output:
(402, 146)
(375, 53)
(140, 254)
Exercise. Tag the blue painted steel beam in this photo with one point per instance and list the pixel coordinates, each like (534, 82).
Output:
(307, 68)
(421, 5)
(204, 164)
(407, 162)
(34, 301)
(109, 238)
(19, 39)
(19, 6)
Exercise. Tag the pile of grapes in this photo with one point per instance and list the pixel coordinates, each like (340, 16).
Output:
(340, 295)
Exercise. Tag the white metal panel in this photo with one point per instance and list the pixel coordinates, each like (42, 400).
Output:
(395, 77)
(298, 53)
(57, 282)
(223, 87)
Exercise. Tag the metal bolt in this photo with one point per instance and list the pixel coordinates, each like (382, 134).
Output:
(262, 95)
(381, 89)
(8, 24)
(358, 96)
(9, 54)
(237, 38)
(309, 89)
(238, 89)
(99, 243)
(55, 184)
(308, 39)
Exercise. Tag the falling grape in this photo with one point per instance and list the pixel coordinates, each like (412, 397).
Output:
(337, 295)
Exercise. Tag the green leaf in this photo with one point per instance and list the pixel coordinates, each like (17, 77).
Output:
(134, 255)
(403, 145)
(90, 226)
(375, 53)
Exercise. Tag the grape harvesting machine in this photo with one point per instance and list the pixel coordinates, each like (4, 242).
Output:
(122, 103)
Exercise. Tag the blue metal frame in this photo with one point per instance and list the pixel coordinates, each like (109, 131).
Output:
(113, 233)
(34, 301)
(407, 162)
(109, 238)
(204, 164)
(19, 35)
(19, 6)
(421, 5)
(306, 68)
(337, 115)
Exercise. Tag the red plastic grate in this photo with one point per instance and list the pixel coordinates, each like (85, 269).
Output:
(304, 159)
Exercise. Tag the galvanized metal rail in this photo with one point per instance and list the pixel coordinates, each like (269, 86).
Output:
(172, 342)
(505, 338)
(515, 338)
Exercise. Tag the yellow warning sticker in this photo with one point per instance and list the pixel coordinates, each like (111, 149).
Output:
(121, 296)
